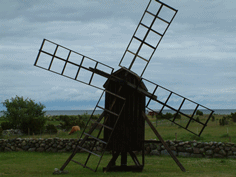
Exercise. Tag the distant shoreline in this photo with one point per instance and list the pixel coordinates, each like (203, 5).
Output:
(81, 112)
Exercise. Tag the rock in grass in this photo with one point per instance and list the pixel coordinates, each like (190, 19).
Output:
(57, 171)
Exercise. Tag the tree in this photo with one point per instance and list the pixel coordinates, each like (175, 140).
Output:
(200, 113)
(24, 114)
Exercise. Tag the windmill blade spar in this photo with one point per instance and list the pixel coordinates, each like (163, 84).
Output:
(181, 107)
(68, 63)
(152, 27)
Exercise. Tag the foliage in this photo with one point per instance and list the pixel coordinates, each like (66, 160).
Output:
(199, 113)
(24, 114)
(167, 116)
(223, 121)
(197, 119)
(50, 128)
(68, 121)
(6, 125)
(233, 116)
(212, 118)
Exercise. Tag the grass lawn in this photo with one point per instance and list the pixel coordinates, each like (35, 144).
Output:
(212, 132)
(43, 164)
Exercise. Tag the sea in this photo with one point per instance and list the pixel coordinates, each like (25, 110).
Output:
(81, 112)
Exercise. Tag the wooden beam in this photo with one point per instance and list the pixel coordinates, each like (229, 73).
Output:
(163, 142)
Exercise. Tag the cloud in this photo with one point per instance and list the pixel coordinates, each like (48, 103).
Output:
(196, 57)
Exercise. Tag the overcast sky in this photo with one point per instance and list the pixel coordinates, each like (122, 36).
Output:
(196, 58)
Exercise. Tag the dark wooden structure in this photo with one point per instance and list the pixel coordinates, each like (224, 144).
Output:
(128, 136)
(123, 118)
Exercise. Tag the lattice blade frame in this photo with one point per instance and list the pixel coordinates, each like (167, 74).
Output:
(177, 103)
(68, 63)
(107, 112)
(139, 48)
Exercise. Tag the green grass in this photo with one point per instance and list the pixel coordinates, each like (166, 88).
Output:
(43, 164)
(213, 131)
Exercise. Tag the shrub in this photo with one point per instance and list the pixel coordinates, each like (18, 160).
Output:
(213, 118)
(223, 121)
(178, 116)
(68, 121)
(6, 125)
(199, 113)
(233, 116)
(198, 119)
(25, 114)
(50, 128)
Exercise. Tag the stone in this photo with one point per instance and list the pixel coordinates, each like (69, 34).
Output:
(222, 152)
(184, 154)
(19, 149)
(202, 150)
(196, 150)
(25, 148)
(23, 143)
(229, 153)
(196, 155)
(190, 149)
(153, 146)
(227, 148)
(232, 157)
(165, 152)
(62, 150)
(57, 172)
(181, 149)
(216, 150)
(31, 149)
(194, 144)
(209, 152)
(159, 148)
(42, 145)
(7, 149)
(207, 147)
(40, 149)
(155, 152)
(218, 155)
(173, 148)
(201, 145)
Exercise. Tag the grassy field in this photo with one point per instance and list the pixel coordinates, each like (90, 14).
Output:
(43, 164)
(213, 131)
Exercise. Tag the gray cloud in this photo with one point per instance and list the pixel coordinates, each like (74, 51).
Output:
(196, 57)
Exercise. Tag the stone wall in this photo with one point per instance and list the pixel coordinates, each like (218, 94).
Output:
(179, 148)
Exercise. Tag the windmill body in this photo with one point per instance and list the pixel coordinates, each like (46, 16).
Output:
(127, 95)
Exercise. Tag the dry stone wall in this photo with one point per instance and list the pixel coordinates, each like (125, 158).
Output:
(179, 148)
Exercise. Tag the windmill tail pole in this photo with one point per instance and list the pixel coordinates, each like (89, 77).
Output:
(164, 144)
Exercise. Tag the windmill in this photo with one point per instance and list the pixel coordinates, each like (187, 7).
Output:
(122, 122)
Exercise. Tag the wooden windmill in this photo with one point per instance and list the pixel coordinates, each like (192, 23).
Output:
(122, 123)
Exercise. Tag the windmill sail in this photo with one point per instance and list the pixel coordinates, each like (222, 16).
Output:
(179, 105)
(68, 63)
(152, 27)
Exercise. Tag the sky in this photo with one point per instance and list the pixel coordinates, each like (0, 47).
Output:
(196, 58)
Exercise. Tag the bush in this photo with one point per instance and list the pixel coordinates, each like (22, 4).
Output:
(25, 114)
(233, 116)
(223, 121)
(6, 125)
(50, 128)
(199, 113)
(68, 121)
(198, 119)
(213, 118)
